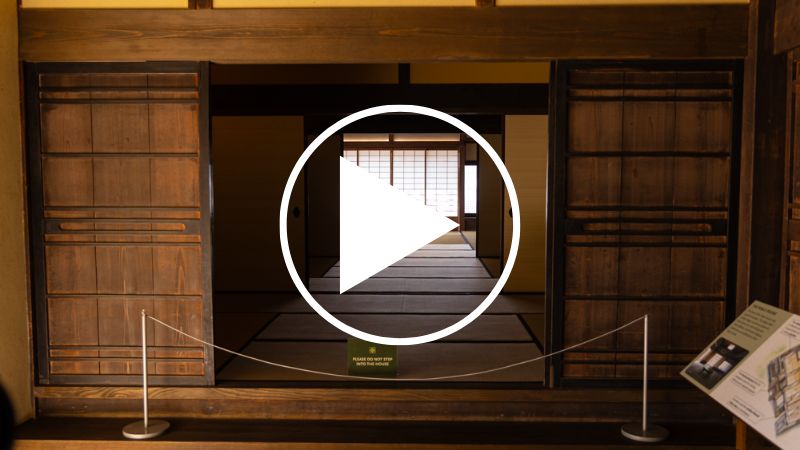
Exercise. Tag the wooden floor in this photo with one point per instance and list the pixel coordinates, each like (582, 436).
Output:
(70, 433)
(430, 289)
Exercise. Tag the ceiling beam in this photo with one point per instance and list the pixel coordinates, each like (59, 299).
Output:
(376, 35)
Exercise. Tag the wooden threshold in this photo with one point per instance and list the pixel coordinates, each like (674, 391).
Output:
(379, 35)
(69, 434)
(410, 404)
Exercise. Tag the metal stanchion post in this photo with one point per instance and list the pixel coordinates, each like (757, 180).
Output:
(644, 432)
(145, 429)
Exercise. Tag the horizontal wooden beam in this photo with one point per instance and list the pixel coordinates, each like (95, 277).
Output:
(289, 403)
(346, 99)
(376, 35)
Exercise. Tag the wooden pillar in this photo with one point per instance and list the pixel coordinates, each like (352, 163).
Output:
(749, 439)
(763, 175)
(763, 159)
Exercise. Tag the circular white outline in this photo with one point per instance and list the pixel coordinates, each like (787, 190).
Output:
(386, 109)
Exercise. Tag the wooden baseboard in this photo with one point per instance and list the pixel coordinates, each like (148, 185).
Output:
(408, 404)
(73, 433)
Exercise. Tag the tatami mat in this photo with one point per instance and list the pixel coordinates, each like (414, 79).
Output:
(425, 360)
(423, 272)
(452, 237)
(435, 262)
(486, 328)
(431, 289)
(403, 285)
(247, 302)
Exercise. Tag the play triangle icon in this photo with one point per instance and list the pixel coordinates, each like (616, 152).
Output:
(379, 225)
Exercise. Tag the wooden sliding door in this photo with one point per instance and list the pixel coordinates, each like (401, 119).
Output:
(644, 192)
(120, 220)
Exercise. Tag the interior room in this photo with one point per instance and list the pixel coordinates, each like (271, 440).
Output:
(257, 309)
(177, 268)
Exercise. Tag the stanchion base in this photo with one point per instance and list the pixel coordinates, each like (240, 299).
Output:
(137, 430)
(653, 433)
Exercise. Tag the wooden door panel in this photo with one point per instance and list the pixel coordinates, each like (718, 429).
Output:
(125, 270)
(121, 221)
(701, 182)
(69, 181)
(174, 128)
(66, 128)
(178, 270)
(648, 154)
(120, 320)
(647, 181)
(593, 271)
(174, 182)
(631, 339)
(75, 367)
(703, 126)
(73, 321)
(648, 125)
(71, 269)
(644, 271)
(590, 319)
(695, 324)
(122, 182)
(186, 313)
(593, 181)
(598, 125)
(120, 127)
(698, 271)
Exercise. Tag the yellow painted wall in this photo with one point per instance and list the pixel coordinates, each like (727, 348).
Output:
(481, 72)
(15, 347)
(614, 2)
(335, 3)
(157, 4)
(526, 148)
(107, 4)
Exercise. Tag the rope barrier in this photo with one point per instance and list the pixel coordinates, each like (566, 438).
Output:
(148, 429)
(366, 378)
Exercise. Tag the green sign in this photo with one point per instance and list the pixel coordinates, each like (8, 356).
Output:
(368, 359)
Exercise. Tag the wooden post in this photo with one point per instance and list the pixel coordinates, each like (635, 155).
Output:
(748, 439)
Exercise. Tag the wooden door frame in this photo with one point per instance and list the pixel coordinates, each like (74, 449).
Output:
(438, 34)
(35, 202)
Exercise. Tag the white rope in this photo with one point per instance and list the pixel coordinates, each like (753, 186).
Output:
(357, 377)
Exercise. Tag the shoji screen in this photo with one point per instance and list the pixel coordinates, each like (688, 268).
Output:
(645, 194)
(120, 220)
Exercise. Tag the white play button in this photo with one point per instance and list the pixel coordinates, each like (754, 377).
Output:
(379, 224)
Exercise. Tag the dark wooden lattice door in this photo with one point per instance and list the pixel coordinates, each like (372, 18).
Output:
(120, 220)
(645, 166)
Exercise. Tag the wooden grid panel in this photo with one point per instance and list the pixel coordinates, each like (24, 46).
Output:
(648, 160)
(122, 226)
